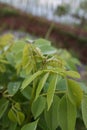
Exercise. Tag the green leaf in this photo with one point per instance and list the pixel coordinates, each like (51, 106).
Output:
(3, 106)
(41, 84)
(40, 42)
(73, 74)
(18, 57)
(61, 84)
(45, 46)
(52, 116)
(16, 116)
(27, 92)
(26, 56)
(38, 106)
(83, 87)
(13, 87)
(84, 109)
(30, 126)
(18, 46)
(67, 114)
(10, 58)
(12, 126)
(29, 79)
(12, 115)
(75, 92)
(20, 117)
(51, 90)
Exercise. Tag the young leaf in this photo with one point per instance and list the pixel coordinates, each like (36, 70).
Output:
(67, 114)
(12, 115)
(26, 56)
(30, 126)
(51, 90)
(52, 116)
(73, 74)
(75, 92)
(84, 109)
(3, 106)
(27, 81)
(38, 106)
(20, 117)
(41, 84)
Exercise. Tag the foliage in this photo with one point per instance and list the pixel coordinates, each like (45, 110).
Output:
(83, 5)
(6, 12)
(62, 9)
(38, 88)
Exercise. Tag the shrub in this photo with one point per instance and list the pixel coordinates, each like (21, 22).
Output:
(6, 12)
(38, 89)
(62, 9)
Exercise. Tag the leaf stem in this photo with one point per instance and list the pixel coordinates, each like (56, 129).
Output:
(56, 92)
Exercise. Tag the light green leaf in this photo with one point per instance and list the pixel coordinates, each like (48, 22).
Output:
(73, 74)
(83, 87)
(51, 90)
(84, 109)
(38, 106)
(16, 116)
(52, 116)
(13, 87)
(67, 114)
(18, 46)
(30, 126)
(20, 117)
(41, 84)
(27, 81)
(27, 58)
(18, 57)
(10, 58)
(40, 42)
(45, 46)
(75, 92)
(3, 106)
(12, 115)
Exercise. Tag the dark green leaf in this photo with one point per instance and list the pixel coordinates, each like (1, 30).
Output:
(27, 92)
(3, 106)
(13, 87)
(12, 126)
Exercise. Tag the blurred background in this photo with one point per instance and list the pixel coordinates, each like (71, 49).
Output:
(63, 11)
(64, 22)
